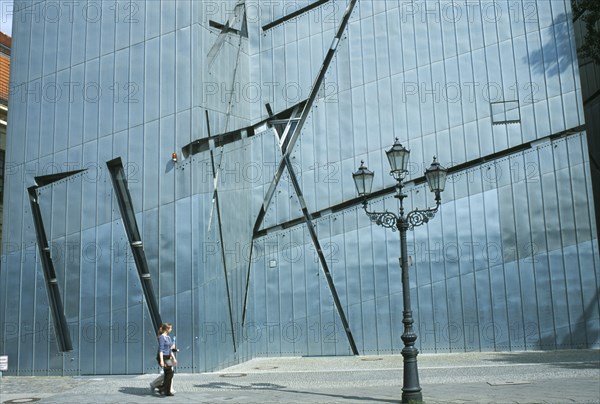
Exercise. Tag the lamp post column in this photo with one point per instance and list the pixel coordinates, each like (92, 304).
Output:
(411, 390)
(436, 179)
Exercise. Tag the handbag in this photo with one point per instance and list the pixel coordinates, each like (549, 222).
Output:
(169, 362)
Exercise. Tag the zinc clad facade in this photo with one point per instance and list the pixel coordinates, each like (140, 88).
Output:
(242, 227)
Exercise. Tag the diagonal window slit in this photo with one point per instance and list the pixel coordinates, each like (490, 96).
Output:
(216, 205)
(322, 260)
(117, 174)
(63, 338)
(287, 142)
(277, 121)
(227, 29)
(238, 17)
(294, 14)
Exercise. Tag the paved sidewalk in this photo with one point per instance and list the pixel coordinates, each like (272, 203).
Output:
(527, 377)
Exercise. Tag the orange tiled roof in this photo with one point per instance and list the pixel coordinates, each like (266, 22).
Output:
(5, 39)
(4, 72)
(6, 42)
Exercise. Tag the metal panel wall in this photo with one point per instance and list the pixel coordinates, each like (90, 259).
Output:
(473, 285)
(509, 263)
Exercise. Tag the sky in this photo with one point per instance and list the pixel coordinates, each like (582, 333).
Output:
(6, 7)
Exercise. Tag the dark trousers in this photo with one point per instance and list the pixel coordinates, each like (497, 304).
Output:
(166, 387)
(168, 378)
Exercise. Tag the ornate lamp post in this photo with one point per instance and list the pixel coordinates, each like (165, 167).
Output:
(436, 178)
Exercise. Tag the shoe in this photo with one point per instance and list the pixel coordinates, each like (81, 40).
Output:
(169, 394)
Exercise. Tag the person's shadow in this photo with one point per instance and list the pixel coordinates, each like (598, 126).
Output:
(278, 387)
(136, 391)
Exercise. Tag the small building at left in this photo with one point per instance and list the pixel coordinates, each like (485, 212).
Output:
(5, 42)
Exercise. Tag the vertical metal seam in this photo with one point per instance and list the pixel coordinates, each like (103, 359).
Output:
(81, 216)
(360, 288)
(193, 283)
(571, 166)
(462, 115)
(504, 291)
(372, 230)
(590, 208)
(516, 75)
(431, 272)
(97, 224)
(489, 284)
(390, 296)
(35, 302)
(446, 269)
(41, 78)
(560, 237)
(115, 251)
(533, 266)
(489, 274)
(496, 47)
(175, 79)
(143, 159)
(476, 299)
(114, 106)
(459, 275)
(435, 131)
(85, 66)
(550, 288)
(514, 192)
(27, 119)
(472, 72)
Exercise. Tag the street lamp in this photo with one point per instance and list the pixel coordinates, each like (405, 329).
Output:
(436, 178)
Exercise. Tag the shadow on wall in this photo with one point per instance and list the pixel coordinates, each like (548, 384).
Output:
(557, 54)
(581, 335)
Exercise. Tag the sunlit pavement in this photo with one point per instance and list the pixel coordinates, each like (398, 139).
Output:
(526, 377)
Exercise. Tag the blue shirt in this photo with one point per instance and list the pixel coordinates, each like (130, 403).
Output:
(164, 344)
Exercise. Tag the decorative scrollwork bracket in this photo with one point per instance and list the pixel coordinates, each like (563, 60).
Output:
(383, 219)
(418, 217)
(392, 221)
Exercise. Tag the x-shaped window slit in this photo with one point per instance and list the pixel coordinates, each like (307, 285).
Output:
(287, 140)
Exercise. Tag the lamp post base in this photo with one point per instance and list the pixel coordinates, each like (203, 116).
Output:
(411, 391)
(412, 397)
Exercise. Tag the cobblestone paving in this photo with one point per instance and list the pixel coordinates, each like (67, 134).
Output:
(38, 384)
(495, 378)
